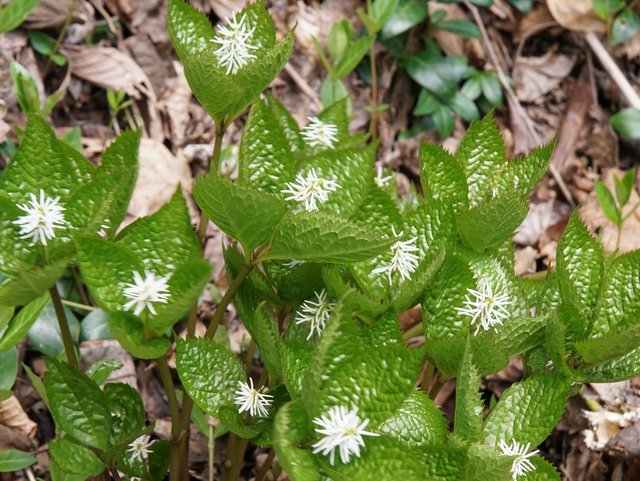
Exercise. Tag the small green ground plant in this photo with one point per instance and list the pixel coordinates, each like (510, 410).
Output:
(321, 262)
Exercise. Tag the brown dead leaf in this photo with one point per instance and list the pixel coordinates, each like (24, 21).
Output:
(111, 68)
(13, 416)
(577, 15)
(159, 176)
(540, 217)
(52, 13)
(175, 105)
(534, 77)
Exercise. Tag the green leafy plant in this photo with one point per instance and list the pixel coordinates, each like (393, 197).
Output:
(321, 262)
(613, 205)
(14, 13)
(28, 93)
(623, 22)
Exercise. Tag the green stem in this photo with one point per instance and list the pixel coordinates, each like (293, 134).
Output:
(233, 471)
(211, 446)
(81, 290)
(214, 166)
(65, 333)
(413, 331)
(248, 359)
(226, 299)
(63, 32)
(77, 305)
(266, 465)
(172, 400)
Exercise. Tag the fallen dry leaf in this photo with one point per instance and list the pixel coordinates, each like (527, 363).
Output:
(13, 416)
(534, 77)
(111, 68)
(52, 13)
(160, 174)
(577, 15)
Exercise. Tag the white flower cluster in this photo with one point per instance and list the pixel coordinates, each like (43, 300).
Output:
(252, 400)
(143, 292)
(320, 134)
(234, 51)
(43, 215)
(140, 448)
(521, 463)
(486, 308)
(310, 190)
(403, 259)
(316, 313)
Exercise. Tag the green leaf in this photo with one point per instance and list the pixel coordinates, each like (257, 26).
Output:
(12, 460)
(290, 430)
(296, 356)
(228, 205)
(77, 405)
(8, 368)
(469, 406)
(580, 266)
(417, 422)
(528, 411)
(463, 28)
(130, 333)
(624, 187)
(31, 283)
(287, 123)
(44, 334)
(75, 458)
(491, 87)
(22, 322)
(491, 222)
(621, 369)
(265, 153)
(627, 122)
(448, 353)
(606, 8)
(442, 177)
(209, 389)
(481, 154)
(608, 203)
(555, 344)
(439, 75)
(26, 88)
(14, 13)
(619, 305)
(353, 56)
(324, 238)
(464, 107)
(406, 15)
(37, 384)
(101, 370)
(263, 329)
(129, 414)
(382, 10)
(94, 327)
(522, 175)
(338, 39)
(189, 29)
(610, 346)
(625, 26)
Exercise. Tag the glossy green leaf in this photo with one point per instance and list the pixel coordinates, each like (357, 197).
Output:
(25, 86)
(353, 56)
(14, 13)
(439, 75)
(130, 333)
(127, 410)
(608, 203)
(263, 328)
(621, 369)
(627, 122)
(189, 29)
(610, 346)
(77, 405)
(99, 371)
(241, 212)
(463, 28)
(417, 422)
(291, 429)
(22, 322)
(406, 15)
(94, 326)
(469, 405)
(323, 238)
(265, 154)
(491, 222)
(528, 411)
(624, 187)
(44, 334)
(12, 460)
(580, 266)
(75, 458)
(442, 177)
(625, 26)
(447, 354)
(523, 174)
(287, 123)
(209, 389)
(481, 154)
(8, 368)
(382, 10)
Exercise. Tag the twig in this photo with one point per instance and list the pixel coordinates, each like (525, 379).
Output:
(613, 70)
(303, 85)
(514, 103)
(77, 305)
(63, 32)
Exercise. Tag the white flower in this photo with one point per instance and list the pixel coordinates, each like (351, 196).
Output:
(234, 51)
(43, 216)
(521, 464)
(404, 260)
(318, 133)
(139, 448)
(486, 307)
(310, 190)
(144, 292)
(380, 180)
(252, 400)
(294, 263)
(316, 313)
(341, 429)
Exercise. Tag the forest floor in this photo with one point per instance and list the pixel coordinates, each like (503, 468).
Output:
(557, 88)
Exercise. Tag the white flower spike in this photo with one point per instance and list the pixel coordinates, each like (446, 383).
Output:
(318, 133)
(310, 190)
(144, 292)
(140, 448)
(43, 216)
(486, 307)
(404, 260)
(316, 313)
(521, 464)
(380, 180)
(253, 400)
(235, 48)
(343, 430)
